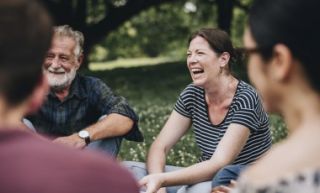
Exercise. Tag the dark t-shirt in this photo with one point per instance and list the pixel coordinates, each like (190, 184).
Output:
(30, 164)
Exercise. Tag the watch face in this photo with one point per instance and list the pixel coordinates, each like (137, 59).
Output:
(84, 134)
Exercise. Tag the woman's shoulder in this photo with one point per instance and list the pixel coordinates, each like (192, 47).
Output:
(274, 166)
(307, 180)
(245, 88)
(246, 95)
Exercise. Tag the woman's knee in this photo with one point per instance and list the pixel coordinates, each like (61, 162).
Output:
(138, 169)
(226, 174)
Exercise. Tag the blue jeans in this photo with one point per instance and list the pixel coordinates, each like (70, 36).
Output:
(110, 146)
(226, 174)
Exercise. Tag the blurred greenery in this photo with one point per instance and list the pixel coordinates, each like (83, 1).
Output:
(152, 91)
(163, 31)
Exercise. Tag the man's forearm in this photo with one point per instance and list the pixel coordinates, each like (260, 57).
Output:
(111, 126)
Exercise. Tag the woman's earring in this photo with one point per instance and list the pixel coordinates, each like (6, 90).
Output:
(220, 69)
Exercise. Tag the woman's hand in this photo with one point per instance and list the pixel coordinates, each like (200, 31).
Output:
(152, 182)
(224, 189)
(221, 189)
(162, 190)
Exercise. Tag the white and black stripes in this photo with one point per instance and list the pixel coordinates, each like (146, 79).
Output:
(246, 109)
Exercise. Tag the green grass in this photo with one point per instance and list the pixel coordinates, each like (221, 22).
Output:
(152, 91)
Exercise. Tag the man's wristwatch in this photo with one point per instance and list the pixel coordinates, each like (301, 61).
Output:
(84, 134)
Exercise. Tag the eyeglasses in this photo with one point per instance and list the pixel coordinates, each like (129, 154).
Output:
(245, 53)
(249, 51)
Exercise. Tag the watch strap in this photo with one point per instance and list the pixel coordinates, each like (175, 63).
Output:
(87, 140)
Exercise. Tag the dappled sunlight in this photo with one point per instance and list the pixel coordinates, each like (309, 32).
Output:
(131, 62)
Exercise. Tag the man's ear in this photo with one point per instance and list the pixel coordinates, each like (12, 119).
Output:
(282, 63)
(38, 95)
(79, 61)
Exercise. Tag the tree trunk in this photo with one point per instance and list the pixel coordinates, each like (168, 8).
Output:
(225, 14)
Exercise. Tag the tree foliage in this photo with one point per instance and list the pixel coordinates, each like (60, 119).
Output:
(158, 30)
(98, 18)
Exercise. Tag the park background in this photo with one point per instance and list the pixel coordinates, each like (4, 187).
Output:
(138, 48)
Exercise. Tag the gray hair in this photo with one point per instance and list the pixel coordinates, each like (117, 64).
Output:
(77, 36)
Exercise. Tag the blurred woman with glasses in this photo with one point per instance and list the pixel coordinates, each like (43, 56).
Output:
(285, 69)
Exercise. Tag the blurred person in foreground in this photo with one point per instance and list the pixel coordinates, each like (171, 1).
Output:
(79, 110)
(282, 41)
(231, 128)
(29, 163)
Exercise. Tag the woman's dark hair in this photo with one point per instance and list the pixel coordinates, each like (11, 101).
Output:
(219, 42)
(293, 23)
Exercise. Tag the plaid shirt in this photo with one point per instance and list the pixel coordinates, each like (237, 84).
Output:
(89, 99)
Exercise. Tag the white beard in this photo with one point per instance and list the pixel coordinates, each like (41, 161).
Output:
(58, 82)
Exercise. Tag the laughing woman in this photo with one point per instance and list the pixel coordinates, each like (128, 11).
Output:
(231, 128)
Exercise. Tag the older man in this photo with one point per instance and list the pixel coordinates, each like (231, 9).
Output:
(81, 110)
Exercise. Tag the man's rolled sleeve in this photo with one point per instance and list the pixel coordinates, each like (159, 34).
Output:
(111, 103)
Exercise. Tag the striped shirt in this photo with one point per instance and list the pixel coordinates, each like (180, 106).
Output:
(246, 109)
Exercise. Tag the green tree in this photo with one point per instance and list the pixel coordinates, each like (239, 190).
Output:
(98, 18)
(163, 30)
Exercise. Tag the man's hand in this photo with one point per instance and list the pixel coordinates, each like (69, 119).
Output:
(73, 141)
(152, 183)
